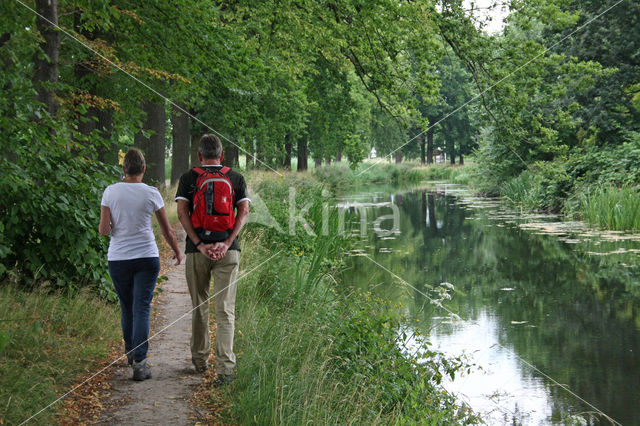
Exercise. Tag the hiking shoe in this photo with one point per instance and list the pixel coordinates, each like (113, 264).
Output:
(223, 379)
(141, 370)
(130, 359)
(201, 367)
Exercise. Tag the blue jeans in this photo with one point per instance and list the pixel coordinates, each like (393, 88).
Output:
(135, 280)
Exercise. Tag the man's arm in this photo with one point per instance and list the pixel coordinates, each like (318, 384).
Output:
(185, 219)
(241, 219)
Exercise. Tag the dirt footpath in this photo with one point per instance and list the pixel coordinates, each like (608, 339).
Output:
(163, 399)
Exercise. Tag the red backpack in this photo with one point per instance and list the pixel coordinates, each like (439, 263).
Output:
(213, 202)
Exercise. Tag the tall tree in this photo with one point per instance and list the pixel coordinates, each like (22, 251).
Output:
(47, 61)
(181, 144)
(151, 141)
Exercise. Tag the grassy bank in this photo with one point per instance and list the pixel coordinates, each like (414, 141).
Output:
(46, 342)
(599, 186)
(606, 206)
(312, 350)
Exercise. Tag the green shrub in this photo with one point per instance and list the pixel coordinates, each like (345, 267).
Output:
(544, 186)
(49, 214)
(615, 165)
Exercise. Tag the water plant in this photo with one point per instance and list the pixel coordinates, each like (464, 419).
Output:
(611, 207)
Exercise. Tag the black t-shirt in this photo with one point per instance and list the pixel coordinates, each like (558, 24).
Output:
(187, 189)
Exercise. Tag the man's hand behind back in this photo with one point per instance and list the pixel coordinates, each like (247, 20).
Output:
(220, 249)
(207, 250)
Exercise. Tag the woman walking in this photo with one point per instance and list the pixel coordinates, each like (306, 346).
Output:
(134, 263)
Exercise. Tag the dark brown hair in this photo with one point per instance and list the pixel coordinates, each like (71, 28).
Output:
(210, 147)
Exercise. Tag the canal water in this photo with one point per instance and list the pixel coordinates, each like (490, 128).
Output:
(544, 310)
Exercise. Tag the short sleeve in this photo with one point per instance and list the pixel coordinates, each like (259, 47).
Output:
(241, 190)
(156, 199)
(106, 199)
(185, 188)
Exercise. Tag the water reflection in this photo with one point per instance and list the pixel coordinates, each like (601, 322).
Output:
(560, 296)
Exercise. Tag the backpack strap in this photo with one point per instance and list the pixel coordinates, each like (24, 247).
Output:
(224, 170)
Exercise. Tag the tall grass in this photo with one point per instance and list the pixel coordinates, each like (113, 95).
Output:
(612, 208)
(310, 350)
(47, 341)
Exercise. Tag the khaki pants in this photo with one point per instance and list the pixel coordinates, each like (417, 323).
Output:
(199, 269)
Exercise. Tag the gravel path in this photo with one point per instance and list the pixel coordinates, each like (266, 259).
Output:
(163, 399)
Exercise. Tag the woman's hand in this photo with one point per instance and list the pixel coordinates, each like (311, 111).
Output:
(178, 256)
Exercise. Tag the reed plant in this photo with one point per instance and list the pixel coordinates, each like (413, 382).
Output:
(611, 207)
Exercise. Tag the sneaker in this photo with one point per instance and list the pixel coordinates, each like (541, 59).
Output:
(223, 379)
(201, 367)
(141, 370)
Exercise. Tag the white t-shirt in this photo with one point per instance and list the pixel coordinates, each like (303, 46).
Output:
(132, 205)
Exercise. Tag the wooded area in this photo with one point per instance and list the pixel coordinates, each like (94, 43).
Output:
(320, 80)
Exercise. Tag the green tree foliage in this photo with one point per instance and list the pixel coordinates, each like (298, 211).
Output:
(263, 74)
(327, 79)
(557, 94)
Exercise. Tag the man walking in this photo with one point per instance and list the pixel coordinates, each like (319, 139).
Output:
(213, 206)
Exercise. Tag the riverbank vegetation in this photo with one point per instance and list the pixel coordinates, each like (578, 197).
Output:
(315, 350)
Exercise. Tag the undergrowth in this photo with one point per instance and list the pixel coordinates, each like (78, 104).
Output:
(46, 341)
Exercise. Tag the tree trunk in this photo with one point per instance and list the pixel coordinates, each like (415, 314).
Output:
(231, 156)
(422, 146)
(461, 158)
(302, 155)
(317, 162)
(153, 147)
(328, 161)
(194, 150)
(10, 112)
(181, 144)
(87, 122)
(287, 152)
(46, 68)
(258, 158)
(430, 146)
(108, 149)
(398, 157)
(96, 123)
(451, 150)
(339, 156)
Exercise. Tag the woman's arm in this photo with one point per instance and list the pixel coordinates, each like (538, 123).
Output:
(169, 234)
(104, 228)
